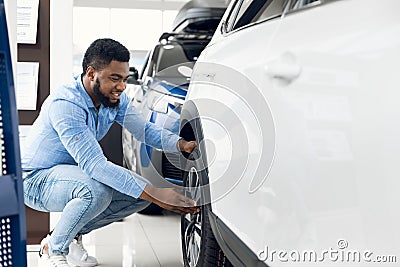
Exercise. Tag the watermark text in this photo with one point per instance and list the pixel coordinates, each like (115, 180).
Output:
(339, 254)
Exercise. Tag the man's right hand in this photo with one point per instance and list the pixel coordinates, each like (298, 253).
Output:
(170, 199)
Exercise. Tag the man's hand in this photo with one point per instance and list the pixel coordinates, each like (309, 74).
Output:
(186, 146)
(170, 199)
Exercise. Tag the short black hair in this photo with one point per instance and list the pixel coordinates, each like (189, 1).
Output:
(102, 51)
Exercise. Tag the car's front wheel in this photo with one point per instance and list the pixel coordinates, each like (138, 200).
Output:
(199, 246)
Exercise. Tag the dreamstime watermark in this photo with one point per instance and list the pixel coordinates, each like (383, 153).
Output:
(341, 253)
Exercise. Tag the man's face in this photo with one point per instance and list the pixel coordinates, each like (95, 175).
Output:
(110, 82)
(102, 97)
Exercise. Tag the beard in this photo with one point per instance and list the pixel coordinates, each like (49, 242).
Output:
(105, 101)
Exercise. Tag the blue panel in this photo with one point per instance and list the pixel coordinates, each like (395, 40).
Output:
(8, 198)
(12, 210)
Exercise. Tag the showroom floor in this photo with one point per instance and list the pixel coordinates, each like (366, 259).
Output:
(139, 240)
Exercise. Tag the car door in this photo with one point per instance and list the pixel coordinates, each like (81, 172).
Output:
(233, 101)
(331, 66)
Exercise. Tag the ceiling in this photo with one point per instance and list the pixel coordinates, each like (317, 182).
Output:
(133, 4)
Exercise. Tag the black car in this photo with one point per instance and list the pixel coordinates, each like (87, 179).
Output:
(199, 16)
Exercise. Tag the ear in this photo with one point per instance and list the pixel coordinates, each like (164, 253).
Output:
(90, 73)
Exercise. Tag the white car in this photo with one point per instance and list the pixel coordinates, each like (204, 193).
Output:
(296, 109)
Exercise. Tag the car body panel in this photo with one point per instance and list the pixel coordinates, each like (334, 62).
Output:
(301, 140)
(233, 93)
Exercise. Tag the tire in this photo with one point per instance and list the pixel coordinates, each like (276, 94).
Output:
(199, 247)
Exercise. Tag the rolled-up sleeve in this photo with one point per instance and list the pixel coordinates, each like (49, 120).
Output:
(70, 122)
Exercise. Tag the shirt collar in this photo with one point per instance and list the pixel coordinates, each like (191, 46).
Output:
(85, 95)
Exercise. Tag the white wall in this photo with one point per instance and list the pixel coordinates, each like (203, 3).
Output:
(60, 54)
(60, 43)
(62, 33)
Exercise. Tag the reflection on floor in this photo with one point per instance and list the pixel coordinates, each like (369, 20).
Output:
(139, 240)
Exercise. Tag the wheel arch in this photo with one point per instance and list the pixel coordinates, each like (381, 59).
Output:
(191, 129)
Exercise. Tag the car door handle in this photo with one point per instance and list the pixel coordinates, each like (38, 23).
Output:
(139, 100)
(281, 71)
(284, 68)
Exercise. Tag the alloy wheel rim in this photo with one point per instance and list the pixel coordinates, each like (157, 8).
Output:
(193, 221)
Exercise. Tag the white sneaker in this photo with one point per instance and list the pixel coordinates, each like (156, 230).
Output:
(44, 242)
(53, 261)
(50, 261)
(78, 256)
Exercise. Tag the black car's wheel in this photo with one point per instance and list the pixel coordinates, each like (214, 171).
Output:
(199, 247)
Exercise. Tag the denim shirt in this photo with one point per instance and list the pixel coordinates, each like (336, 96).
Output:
(69, 127)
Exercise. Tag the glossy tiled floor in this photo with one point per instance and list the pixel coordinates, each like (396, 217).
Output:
(139, 240)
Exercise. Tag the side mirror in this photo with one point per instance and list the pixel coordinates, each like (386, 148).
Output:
(133, 76)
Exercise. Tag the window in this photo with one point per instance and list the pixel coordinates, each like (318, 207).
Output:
(232, 16)
(271, 9)
(250, 11)
(146, 64)
(302, 3)
(245, 6)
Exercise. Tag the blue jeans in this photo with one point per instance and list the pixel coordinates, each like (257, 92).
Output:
(85, 203)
